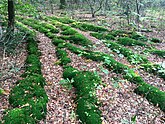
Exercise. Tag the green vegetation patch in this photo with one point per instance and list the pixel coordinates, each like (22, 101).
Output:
(69, 31)
(138, 37)
(64, 20)
(102, 36)
(152, 94)
(154, 68)
(88, 27)
(160, 53)
(24, 92)
(18, 116)
(155, 40)
(80, 39)
(85, 83)
(56, 41)
(131, 57)
(126, 41)
(88, 112)
(62, 56)
(32, 47)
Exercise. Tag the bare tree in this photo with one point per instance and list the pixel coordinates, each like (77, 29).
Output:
(95, 6)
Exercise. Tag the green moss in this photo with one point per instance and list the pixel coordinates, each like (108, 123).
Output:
(69, 31)
(74, 49)
(131, 57)
(33, 59)
(95, 56)
(65, 61)
(42, 30)
(32, 47)
(61, 53)
(152, 94)
(89, 27)
(160, 53)
(80, 39)
(102, 36)
(37, 109)
(36, 78)
(128, 74)
(24, 92)
(130, 42)
(64, 37)
(64, 20)
(64, 27)
(56, 41)
(119, 33)
(88, 112)
(61, 45)
(50, 35)
(69, 72)
(86, 83)
(155, 40)
(138, 37)
(18, 116)
(155, 69)
(1, 91)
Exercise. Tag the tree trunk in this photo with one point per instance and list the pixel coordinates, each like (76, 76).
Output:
(11, 15)
(62, 4)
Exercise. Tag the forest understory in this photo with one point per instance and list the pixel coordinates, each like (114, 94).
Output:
(72, 69)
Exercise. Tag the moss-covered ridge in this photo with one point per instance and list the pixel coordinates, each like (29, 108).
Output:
(85, 83)
(136, 59)
(47, 29)
(28, 98)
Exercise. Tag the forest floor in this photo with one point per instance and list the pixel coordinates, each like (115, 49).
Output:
(119, 103)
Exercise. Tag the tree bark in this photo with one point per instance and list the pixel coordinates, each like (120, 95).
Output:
(11, 15)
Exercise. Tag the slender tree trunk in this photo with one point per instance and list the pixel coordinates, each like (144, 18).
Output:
(51, 6)
(62, 4)
(138, 11)
(11, 15)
